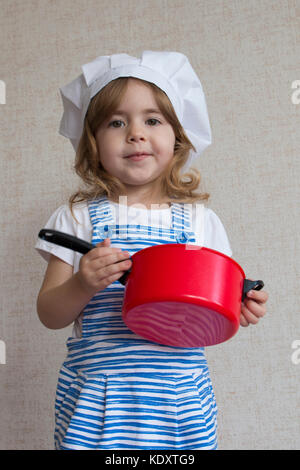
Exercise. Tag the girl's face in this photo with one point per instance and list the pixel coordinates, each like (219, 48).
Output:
(136, 143)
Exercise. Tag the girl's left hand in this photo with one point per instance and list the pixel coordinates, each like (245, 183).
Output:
(253, 307)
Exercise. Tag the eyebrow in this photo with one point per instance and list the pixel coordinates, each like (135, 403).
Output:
(145, 111)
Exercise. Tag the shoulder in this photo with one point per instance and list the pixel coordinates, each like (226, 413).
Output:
(212, 220)
(75, 222)
(63, 217)
(215, 234)
(209, 229)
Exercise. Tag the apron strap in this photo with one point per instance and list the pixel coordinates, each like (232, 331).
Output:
(103, 216)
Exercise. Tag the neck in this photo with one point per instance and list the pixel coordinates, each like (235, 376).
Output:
(141, 195)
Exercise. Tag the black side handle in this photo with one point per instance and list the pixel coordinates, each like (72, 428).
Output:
(66, 240)
(249, 285)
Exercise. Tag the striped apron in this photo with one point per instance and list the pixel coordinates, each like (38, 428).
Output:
(117, 390)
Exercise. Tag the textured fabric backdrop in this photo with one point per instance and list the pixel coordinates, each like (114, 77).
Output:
(247, 56)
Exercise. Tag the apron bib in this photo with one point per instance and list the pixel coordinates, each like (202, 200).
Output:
(117, 390)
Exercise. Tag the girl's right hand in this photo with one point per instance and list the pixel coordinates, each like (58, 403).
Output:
(100, 267)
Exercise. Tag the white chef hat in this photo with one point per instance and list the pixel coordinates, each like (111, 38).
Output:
(170, 71)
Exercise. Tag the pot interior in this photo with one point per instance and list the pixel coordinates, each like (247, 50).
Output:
(179, 324)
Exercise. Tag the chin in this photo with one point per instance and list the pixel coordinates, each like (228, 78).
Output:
(139, 181)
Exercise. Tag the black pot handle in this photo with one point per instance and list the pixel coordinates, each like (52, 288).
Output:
(66, 240)
(123, 278)
(249, 285)
(75, 244)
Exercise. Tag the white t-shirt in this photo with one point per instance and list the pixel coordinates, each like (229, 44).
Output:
(209, 230)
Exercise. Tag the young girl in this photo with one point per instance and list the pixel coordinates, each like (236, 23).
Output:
(136, 126)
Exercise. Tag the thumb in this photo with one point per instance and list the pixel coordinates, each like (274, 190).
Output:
(105, 242)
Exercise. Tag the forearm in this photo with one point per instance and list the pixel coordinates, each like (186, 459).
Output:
(59, 306)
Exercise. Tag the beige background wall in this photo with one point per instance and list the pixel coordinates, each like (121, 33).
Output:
(246, 53)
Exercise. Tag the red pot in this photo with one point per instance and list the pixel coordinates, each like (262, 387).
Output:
(184, 295)
(178, 294)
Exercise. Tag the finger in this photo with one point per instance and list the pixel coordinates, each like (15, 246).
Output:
(258, 295)
(110, 279)
(105, 242)
(101, 278)
(250, 317)
(257, 308)
(102, 250)
(104, 261)
(113, 270)
(243, 321)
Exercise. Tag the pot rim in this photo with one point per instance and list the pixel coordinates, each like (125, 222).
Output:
(167, 246)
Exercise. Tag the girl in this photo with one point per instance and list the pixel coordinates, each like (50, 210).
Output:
(136, 125)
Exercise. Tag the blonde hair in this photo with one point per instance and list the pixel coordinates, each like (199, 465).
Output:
(176, 186)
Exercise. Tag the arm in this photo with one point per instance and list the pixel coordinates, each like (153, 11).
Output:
(61, 297)
(63, 294)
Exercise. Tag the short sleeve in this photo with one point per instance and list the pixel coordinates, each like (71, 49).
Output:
(215, 236)
(63, 220)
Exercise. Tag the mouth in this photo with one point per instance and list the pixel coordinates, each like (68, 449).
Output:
(138, 156)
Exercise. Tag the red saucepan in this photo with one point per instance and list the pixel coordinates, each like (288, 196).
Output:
(177, 294)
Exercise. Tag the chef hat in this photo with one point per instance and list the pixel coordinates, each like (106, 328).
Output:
(170, 71)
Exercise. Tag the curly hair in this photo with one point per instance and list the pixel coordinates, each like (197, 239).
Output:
(175, 186)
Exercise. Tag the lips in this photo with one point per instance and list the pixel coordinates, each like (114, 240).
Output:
(138, 156)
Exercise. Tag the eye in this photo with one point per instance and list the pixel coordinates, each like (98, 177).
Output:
(153, 121)
(115, 124)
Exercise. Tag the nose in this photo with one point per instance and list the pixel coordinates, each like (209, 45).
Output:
(135, 133)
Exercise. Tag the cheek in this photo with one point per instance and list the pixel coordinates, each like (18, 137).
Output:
(105, 149)
(167, 143)
(103, 156)
(169, 148)
(172, 141)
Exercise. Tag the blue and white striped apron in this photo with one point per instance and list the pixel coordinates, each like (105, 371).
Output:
(117, 390)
